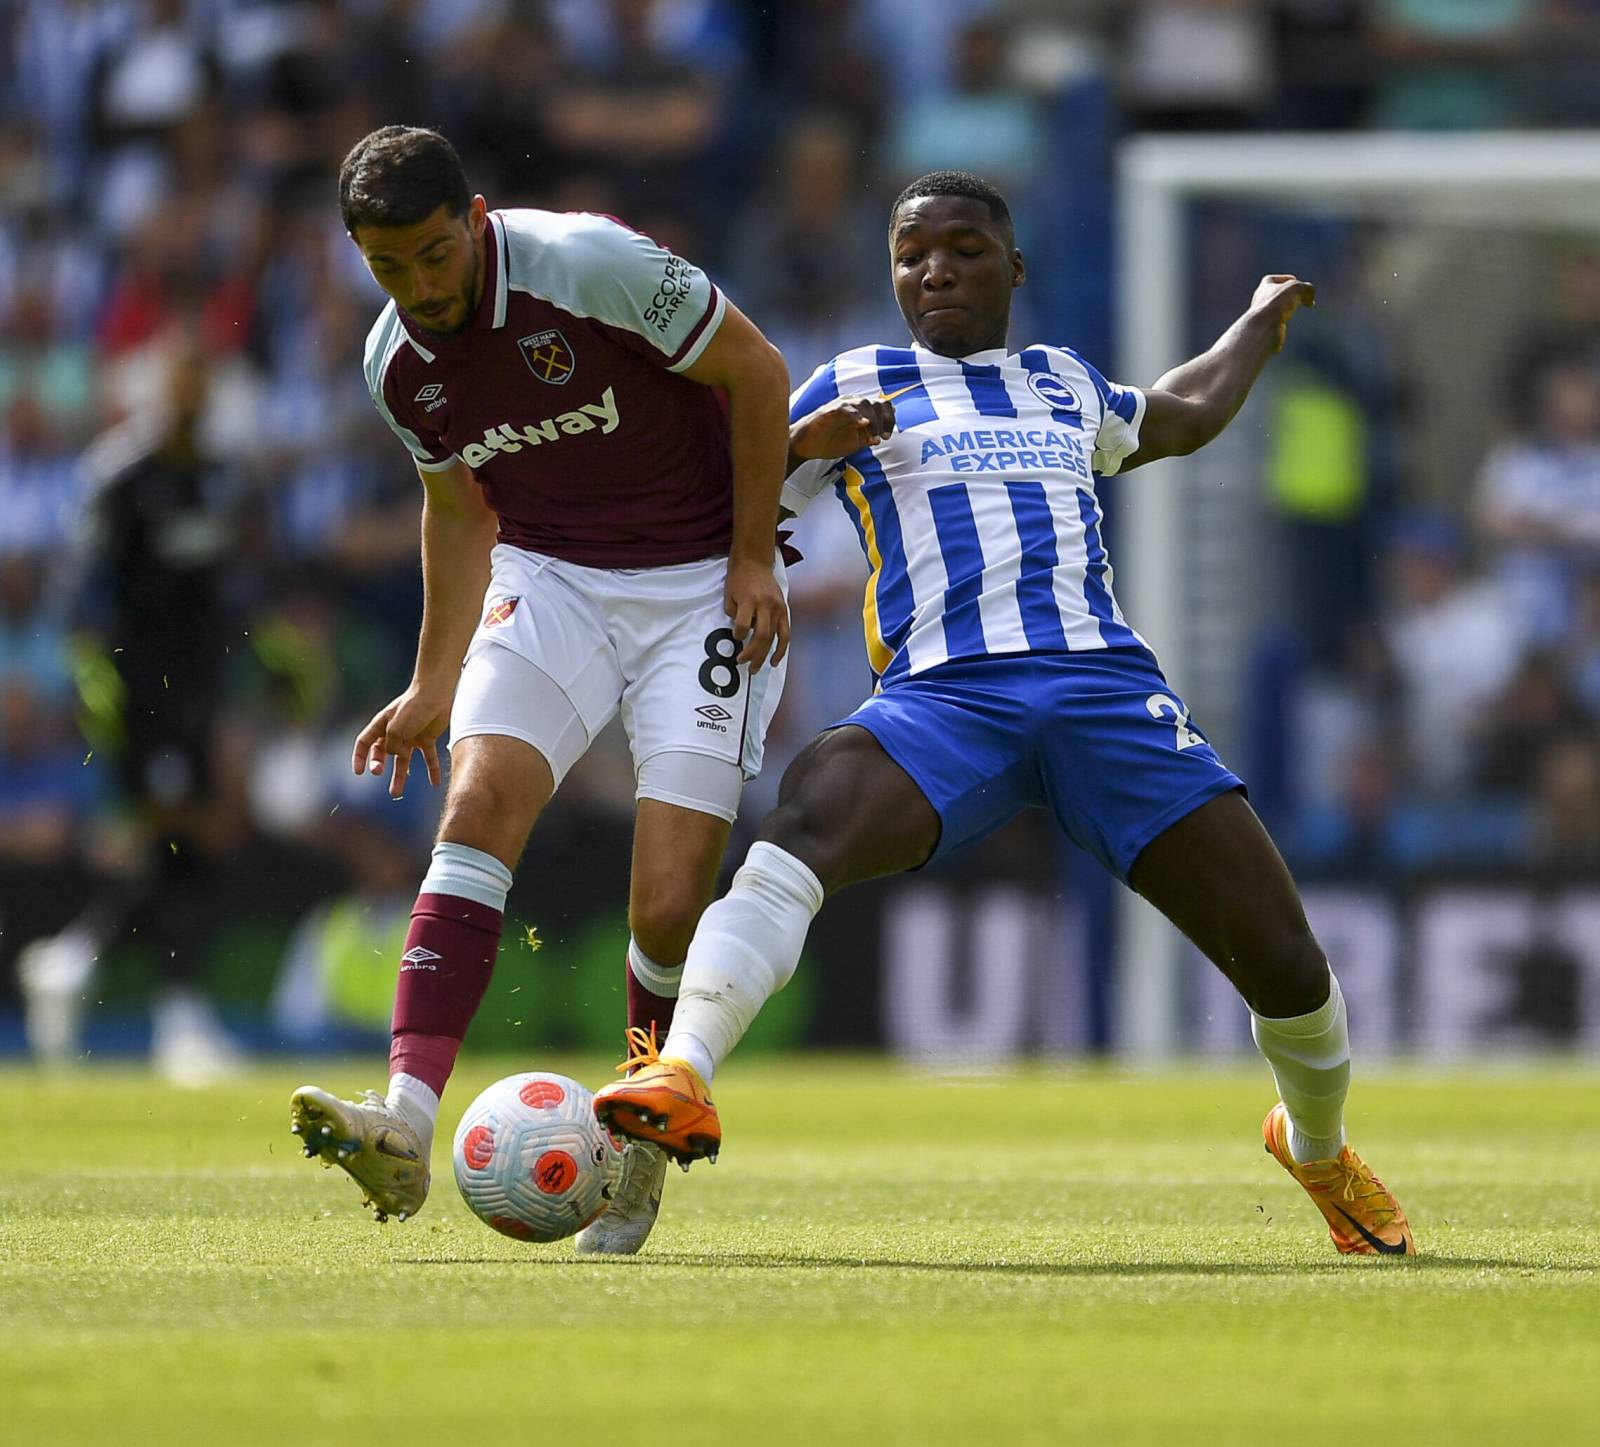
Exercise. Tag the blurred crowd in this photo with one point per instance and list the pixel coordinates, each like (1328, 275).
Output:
(174, 284)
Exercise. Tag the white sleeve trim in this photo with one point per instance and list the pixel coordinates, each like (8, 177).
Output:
(802, 486)
(719, 310)
(1109, 464)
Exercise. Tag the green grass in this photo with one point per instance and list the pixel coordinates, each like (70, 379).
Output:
(889, 1257)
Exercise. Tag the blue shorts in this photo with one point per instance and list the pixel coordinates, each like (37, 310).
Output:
(1100, 739)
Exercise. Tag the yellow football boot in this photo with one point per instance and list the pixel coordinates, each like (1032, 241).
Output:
(661, 1101)
(1363, 1218)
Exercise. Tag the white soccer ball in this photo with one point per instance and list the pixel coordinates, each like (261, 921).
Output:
(531, 1159)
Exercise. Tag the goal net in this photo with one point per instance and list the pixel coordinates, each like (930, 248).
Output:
(1379, 590)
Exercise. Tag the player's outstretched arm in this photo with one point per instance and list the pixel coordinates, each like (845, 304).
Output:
(458, 532)
(752, 372)
(839, 428)
(1193, 402)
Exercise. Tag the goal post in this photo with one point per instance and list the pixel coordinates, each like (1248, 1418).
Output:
(1549, 181)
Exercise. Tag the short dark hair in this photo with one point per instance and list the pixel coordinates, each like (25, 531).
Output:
(400, 175)
(957, 183)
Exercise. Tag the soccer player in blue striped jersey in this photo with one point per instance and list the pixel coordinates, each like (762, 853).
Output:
(1008, 678)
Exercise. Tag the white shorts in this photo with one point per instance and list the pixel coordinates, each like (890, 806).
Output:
(652, 642)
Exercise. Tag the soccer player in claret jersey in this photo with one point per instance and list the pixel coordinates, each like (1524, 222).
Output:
(598, 533)
(1007, 678)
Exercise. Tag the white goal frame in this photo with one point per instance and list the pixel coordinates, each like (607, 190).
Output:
(1481, 178)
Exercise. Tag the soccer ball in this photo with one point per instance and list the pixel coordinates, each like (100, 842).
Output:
(531, 1159)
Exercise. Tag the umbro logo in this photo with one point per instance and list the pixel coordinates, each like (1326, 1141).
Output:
(713, 716)
(432, 395)
(418, 958)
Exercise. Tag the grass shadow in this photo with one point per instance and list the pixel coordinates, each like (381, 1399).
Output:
(792, 1261)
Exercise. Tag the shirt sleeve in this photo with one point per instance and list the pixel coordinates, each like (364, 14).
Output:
(807, 480)
(1121, 413)
(621, 277)
(427, 449)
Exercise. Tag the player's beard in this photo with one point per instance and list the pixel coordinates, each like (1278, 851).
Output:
(470, 299)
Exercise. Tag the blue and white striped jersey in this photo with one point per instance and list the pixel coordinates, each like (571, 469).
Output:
(978, 515)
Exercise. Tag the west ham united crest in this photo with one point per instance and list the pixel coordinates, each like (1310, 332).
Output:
(548, 356)
(499, 612)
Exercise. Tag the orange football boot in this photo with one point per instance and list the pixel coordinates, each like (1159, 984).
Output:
(1363, 1218)
(661, 1101)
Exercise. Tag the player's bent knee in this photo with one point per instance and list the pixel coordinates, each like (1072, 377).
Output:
(498, 788)
(799, 830)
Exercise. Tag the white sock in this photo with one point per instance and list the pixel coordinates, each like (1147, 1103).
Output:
(744, 951)
(657, 979)
(1310, 1060)
(468, 873)
(416, 1103)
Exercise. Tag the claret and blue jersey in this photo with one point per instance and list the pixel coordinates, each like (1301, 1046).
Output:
(978, 514)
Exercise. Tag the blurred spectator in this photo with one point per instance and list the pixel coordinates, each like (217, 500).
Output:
(1323, 65)
(60, 46)
(1537, 707)
(56, 371)
(916, 43)
(157, 79)
(33, 637)
(40, 480)
(1455, 641)
(46, 792)
(826, 63)
(982, 124)
(493, 80)
(1539, 501)
(1566, 825)
(642, 119)
(1450, 64)
(1354, 830)
(1569, 329)
(811, 256)
(1195, 64)
(159, 549)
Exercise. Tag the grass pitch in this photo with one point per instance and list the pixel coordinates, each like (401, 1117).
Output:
(883, 1257)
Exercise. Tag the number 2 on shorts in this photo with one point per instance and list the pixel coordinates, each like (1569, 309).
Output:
(1160, 706)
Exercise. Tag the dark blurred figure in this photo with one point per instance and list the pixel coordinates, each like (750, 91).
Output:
(1324, 64)
(159, 541)
(642, 120)
(825, 62)
(1566, 823)
(810, 253)
(494, 82)
(1539, 706)
(1539, 500)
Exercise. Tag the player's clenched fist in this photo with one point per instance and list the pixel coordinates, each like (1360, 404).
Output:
(1278, 298)
(842, 427)
(411, 722)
